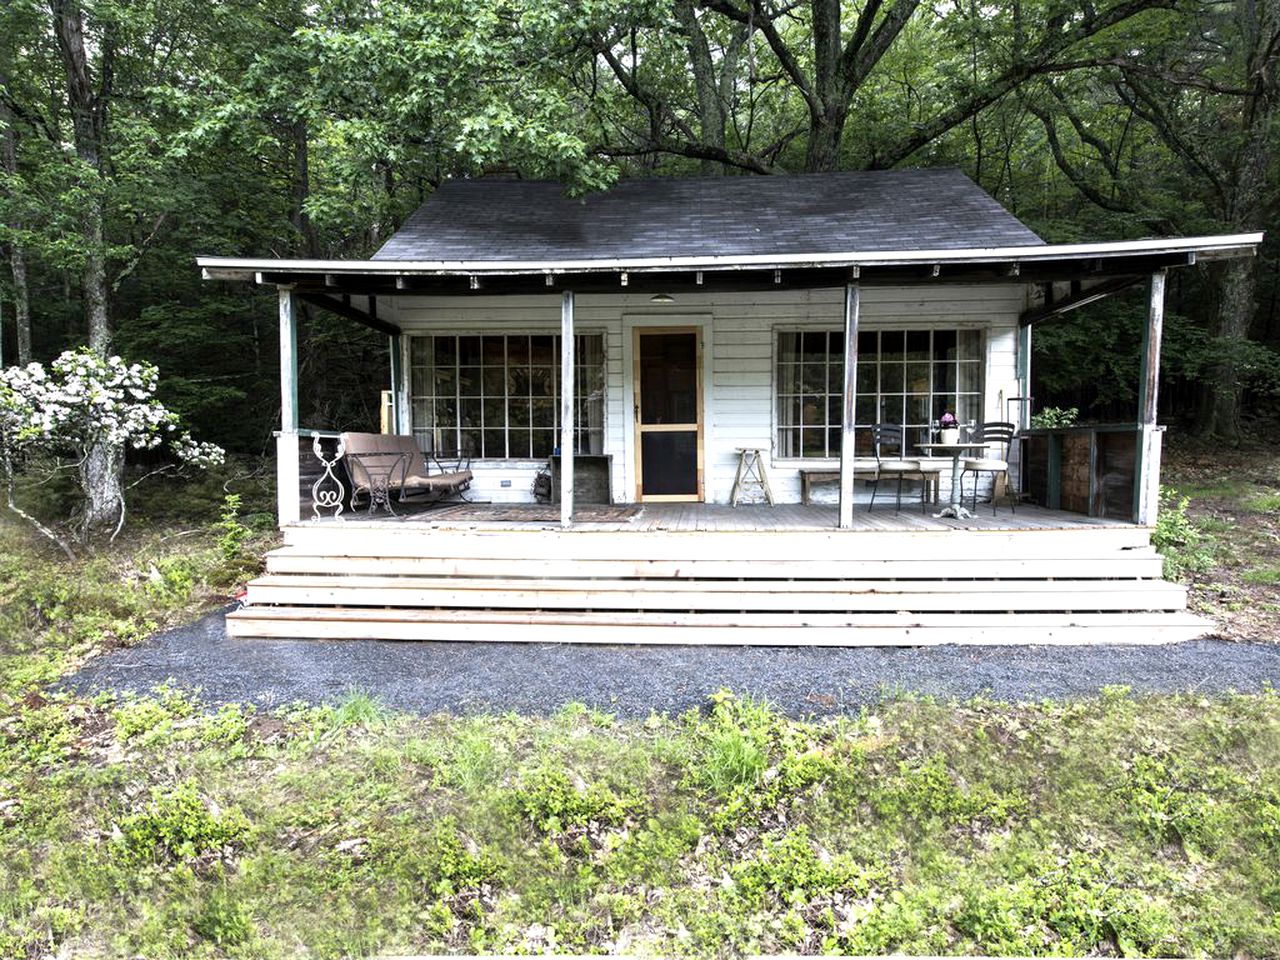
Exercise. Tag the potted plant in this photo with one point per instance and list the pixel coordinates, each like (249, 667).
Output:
(949, 428)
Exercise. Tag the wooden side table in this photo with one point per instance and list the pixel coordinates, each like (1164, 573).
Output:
(751, 475)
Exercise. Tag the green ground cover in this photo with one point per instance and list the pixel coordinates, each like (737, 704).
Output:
(152, 827)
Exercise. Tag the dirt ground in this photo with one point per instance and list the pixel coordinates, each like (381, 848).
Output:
(1234, 501)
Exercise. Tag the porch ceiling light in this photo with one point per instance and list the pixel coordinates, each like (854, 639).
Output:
(662, 298)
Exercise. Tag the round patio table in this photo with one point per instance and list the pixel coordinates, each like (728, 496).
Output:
(955, 509)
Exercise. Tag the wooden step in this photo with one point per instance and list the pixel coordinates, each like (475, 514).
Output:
(391, 540)
(807, 595)
(1138, 563)
(771, 629)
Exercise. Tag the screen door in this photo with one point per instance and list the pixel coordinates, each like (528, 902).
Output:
(668, 412)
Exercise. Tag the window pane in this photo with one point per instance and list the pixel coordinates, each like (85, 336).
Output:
(834, 437)
(446, 413)
(543, 413)
(917, 378)
(868, 346)
(891, 409)
(469, 351)
(788, 411)
(541, 382)
(446, 381)
(814, 377)
(814, 346)
(543, 350)
(495, 444)
(495, 413)
(970, 344)
(944, 344)
(918, 409)
(544, 442)
(788, 347)
(918, 345)
(866, 410)
(789, 378)
(891, 378)
(812, 413)
(868, 378)
(494, 380)
(835, 408)
(469, 443)
(970, 377)
(944, 377)
(470, 412)
(835, 378)
(518, 413)
(891, 344)
(446, 349)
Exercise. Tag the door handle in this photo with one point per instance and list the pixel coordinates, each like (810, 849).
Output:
(637, 412)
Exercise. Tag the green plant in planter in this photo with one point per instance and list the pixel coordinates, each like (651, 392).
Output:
(1053, 417)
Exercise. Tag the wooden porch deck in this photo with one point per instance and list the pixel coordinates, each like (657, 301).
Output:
(695, 573)
(712, 517)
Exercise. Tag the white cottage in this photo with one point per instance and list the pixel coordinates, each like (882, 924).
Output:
(650, 344)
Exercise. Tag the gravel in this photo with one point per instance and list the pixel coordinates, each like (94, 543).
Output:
(428, 677)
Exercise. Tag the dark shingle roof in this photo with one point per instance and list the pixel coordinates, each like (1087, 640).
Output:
(817, 213)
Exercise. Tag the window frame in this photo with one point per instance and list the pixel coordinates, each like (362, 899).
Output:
(530, 331)
(982, 363)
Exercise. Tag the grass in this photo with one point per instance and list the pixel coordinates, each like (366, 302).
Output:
(155, 826)
(1220, 532)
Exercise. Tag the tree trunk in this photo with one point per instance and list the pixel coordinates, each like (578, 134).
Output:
(101, 476)
(101, 471)
(1259, 25)
(825, 132)
(17, 256)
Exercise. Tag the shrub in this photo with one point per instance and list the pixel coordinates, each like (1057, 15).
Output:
(179, 825)
(1178, 539)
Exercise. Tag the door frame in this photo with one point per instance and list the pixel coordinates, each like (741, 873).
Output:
(634, 327)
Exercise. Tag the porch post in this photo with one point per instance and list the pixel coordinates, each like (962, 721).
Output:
(288, 509)
(566, 409)
(395, 345)
(1147, 495)
(852, 297)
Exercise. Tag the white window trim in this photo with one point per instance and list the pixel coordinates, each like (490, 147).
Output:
(931, 323)
(520, 331)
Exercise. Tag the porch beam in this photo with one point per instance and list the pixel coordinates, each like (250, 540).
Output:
(288, 509)
(852, 302)
(343, 308)
(566, 408)
(1147, 495)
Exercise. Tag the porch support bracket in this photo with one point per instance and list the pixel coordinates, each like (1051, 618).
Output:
(1147, 475)
(288, 507)
(343, 308)
(852, 301)
(566, 408)
(1077, 299)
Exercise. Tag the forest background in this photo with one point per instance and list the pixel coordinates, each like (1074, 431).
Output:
(137, 135)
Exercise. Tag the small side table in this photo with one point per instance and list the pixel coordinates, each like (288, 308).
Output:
(751, 475)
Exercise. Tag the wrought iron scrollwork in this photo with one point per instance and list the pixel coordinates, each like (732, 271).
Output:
(327, 497)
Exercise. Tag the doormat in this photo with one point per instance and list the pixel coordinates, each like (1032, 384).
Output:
(535, 512)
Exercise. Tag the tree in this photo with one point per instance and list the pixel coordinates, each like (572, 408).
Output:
(55, 419)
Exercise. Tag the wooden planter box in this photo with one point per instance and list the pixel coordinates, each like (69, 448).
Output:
(1088, 469)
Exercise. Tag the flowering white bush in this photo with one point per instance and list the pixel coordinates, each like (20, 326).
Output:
(85, 399)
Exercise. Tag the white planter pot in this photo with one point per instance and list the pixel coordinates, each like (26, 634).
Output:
(951, 436)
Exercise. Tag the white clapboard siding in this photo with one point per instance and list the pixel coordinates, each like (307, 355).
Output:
(741, 329)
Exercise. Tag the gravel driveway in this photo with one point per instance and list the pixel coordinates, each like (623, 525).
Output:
(632, 681)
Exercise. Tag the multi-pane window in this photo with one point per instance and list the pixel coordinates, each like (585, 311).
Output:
(498, 397)
(906, 377)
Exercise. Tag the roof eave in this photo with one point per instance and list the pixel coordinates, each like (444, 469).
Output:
(1202, 248)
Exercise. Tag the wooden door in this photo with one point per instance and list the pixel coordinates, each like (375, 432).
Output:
(668, 413)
